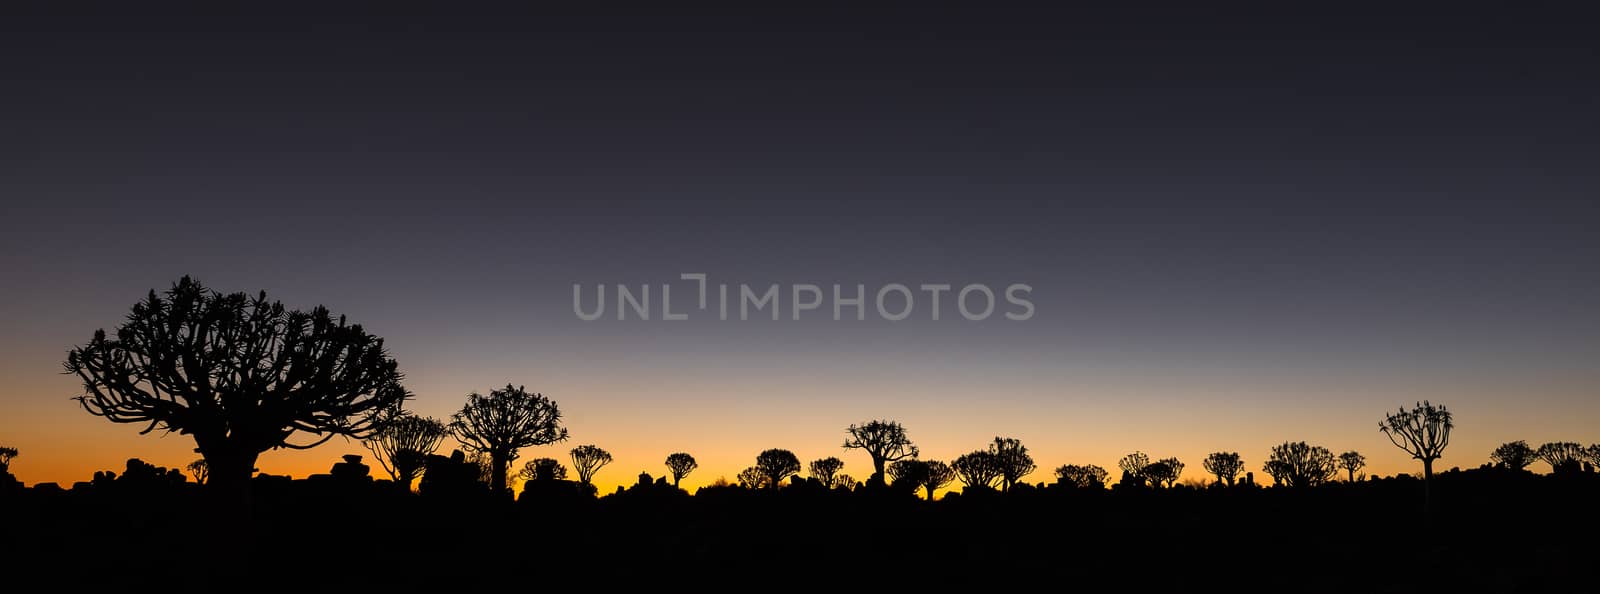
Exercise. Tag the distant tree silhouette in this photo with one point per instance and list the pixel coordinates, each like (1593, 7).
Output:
(1591, 455)
(1175, 471)
(484, 466)
(1516, 455)
(587, 460)
(753, 478)
(1352, 462)
(1083, 477)
(1423, 432)
(1278, 470)
(1013, 460)
(908, 474)
(936, 475)
(7, 453)
(1133, 467)
(1299, 464)
(543, 469)
(402, 442)
(885, 441)
(844, 481)
(240, 374)
(505, 421)
(1562, 456)
(826, 471)
(978, 469)
(1225, 465)
(198, 470)
(777, 464)
(1160, 474)
(680, 465)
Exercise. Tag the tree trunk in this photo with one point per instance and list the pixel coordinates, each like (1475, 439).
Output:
(1427, 485)
(1352, 474)
(497, 472)
(229, 471)
(675, 479)
(930, 491)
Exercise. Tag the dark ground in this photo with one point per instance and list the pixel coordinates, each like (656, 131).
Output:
(1490, 531)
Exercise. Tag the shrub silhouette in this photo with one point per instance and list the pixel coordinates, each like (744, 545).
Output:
(1087, 476)
(680, 464)
(1516, 455)
(543, 469)
(401, 443)
(1225, 465)
(884, 441)
(7, 453)
(826, 471)
(845, 482)
(240, 374)
(505, 421)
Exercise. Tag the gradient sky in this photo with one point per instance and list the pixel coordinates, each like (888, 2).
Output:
(1241, 229)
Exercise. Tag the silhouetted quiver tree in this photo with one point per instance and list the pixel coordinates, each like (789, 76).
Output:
(978, 469)
(1563, 456)
(198, 470)
(1226, 466)
(1423, 432)
(752, 478)
(1516, 455)
(1299, 464)
(543, 469)
(1082, 477)
(505, 421)
(1013, 460)
(907, 474)
(1173, 472)
(483, 468)
(402, 442)
(777, 464)
(1352, 462)
(826, 471)
(587, 460)
(240, 374)
(1133, 468)
(884, 441)
(936, 475)
(1160, 473)
(680, 465)
(7, 453)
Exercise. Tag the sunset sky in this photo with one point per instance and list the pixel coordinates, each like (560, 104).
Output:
(1239, 229)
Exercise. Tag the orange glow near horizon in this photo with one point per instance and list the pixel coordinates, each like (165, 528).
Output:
(1093, 419)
